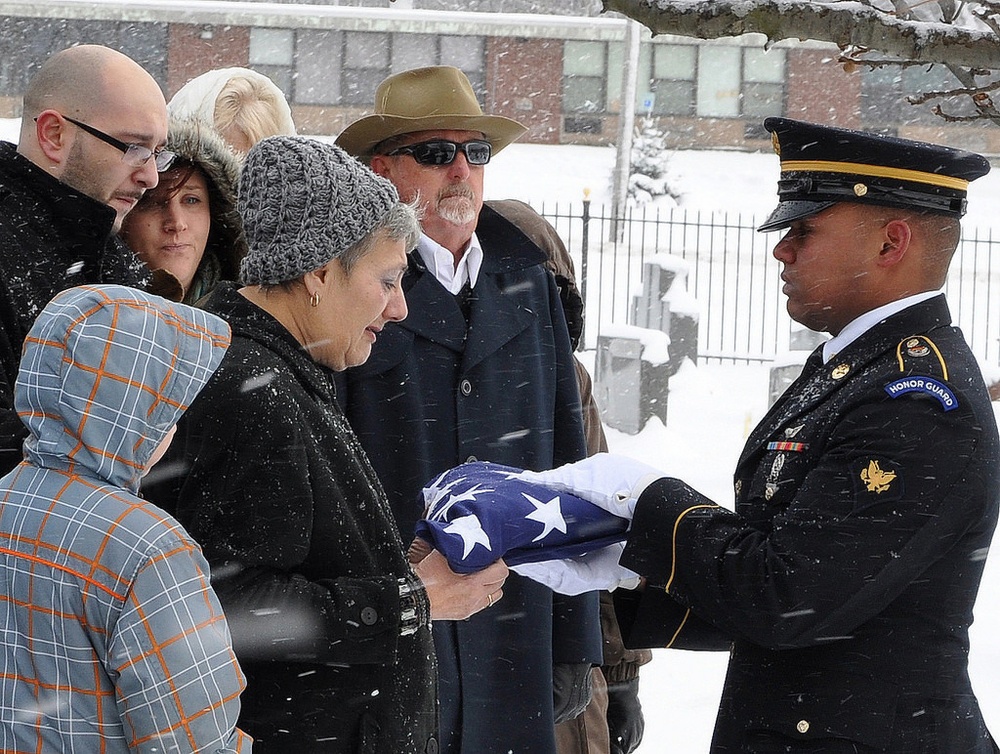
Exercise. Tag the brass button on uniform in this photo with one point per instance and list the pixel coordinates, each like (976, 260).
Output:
(802, 726)
(840, 371)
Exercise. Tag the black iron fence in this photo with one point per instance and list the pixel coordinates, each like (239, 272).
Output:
(732, 279)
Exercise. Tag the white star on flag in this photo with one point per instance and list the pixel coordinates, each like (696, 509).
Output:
(471, 532)
(469, 495)
(549, 515)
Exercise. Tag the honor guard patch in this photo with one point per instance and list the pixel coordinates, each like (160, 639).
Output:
(926, 386)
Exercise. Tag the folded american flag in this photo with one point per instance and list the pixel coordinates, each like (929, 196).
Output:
(480, 512)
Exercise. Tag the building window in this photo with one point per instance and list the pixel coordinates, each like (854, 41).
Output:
(931, 78)
(763, 82)
(468, 54)
(272, 46)
(584, 74)
(320, 53)
(718, 93)
(413, 51)
(346, 67)
(272, 52)
(672, 84)
(366, 64)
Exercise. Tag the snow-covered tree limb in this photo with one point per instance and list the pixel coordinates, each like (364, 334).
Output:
(847, 24)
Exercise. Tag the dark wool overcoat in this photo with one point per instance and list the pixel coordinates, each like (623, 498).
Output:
(865, 503)
(436, 393)
(268, 477)
(52, 237)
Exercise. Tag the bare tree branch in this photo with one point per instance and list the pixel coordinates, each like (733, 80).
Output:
(846, 23)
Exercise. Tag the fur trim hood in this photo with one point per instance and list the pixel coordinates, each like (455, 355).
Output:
(194, 142)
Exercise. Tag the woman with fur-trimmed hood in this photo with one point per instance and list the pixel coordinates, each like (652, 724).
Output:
(187, 228)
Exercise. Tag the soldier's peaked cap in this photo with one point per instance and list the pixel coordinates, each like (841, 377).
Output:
(823, 165)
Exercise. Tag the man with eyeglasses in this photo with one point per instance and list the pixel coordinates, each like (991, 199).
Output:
(482, 368)
(93, 127)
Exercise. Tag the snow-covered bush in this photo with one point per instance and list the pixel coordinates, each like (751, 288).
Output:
(648, 164)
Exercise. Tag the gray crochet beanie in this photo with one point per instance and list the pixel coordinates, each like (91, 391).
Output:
(305, 202)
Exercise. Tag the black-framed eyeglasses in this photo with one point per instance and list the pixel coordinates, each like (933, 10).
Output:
(134, 155)
(444, 152)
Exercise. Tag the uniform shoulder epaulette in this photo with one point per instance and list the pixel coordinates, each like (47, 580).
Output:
(922, 369)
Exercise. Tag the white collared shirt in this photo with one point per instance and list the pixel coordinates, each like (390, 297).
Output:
(441, 263)
(858, 327)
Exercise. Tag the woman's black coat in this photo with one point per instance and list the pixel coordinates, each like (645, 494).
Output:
(269, 478)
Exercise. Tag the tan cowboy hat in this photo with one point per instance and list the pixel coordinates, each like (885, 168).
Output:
(426, 99)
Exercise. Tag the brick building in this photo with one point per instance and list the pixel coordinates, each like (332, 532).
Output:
(560, 74)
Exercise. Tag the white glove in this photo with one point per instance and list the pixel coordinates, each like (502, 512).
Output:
(611, 482)
(595, 570)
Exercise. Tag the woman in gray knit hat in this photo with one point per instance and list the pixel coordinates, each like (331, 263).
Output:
(187, 228)
(330, 622)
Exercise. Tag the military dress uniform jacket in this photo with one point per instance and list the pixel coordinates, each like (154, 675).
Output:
(437, 392)
(52, 237)
(866, 500)
(266, 474)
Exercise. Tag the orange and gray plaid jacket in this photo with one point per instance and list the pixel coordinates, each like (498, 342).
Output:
(112, 639)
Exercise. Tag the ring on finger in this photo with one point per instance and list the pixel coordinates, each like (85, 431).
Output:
(489, 600)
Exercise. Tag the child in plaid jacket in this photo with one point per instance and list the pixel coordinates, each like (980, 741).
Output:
(112, 639)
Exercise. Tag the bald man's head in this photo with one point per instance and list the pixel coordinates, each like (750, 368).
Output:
(107, 92)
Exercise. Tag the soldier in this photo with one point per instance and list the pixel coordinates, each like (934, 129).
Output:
(866, 498)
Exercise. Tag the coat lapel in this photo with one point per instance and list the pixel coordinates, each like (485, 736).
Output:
(433, 312)
(494, 321)
(496, 317)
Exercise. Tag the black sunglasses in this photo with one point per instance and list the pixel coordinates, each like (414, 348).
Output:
(134, 155)
(444, 152)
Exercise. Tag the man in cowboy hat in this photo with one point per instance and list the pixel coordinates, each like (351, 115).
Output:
(481, 369)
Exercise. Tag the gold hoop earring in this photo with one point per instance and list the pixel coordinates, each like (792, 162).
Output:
(314, 300)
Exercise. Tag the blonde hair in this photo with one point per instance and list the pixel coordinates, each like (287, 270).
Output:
(250, 108)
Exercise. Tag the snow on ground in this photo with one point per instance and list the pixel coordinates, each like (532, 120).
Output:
(711, 408)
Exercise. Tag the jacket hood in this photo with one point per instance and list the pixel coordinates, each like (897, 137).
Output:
(105, 373)
(194, 142)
